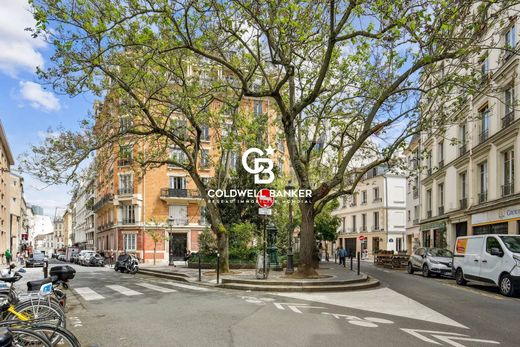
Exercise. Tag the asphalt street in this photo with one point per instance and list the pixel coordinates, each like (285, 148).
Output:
(113, 309)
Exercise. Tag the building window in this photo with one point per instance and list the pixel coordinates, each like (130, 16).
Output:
(376, 221)
(177, 156)
(204, 159)
(353, 223)
(363, 222)
(126, 185)
(484, 67)
(129, 242)
(204, 133)
(257, 107)
(509, 102)
(441, 154)
(429, 158)
(428, 203)
(509, 172)
(177, 182)
(128, 214)
(343, 225)
(510, 37)
(233, 160)
(409, 215)
(483, 178)
(441, 196)
(204, 215)
(364, 197)
(125, 155)
(376, 194)
(124, 124)
(484, 124)
(463, 190)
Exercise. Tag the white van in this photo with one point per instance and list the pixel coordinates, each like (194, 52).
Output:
(490, 259)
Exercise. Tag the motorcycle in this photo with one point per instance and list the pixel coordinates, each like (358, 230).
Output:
(127, 263)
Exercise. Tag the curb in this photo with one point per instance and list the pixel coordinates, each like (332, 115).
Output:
(370, 283)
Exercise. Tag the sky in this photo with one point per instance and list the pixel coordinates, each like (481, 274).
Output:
(28, 109)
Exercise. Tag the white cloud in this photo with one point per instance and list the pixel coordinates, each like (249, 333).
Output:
(18, 50)
(39, 98)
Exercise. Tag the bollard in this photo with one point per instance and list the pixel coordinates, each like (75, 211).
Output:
(358, 262)
(335, 255)
(199, 269)
(218, 267)
(45, 269)
(351, 263)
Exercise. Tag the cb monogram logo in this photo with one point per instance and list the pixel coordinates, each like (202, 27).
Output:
(260, 165)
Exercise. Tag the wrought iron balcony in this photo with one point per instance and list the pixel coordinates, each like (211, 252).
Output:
(463, 149)
(508, 189)
(179, 193)
(482, 197)
(126, 191)
(441, 210)
(508, 119)
(104, 200)
(177, 221)
(429, 214)
(483, 136)
(378, 199)
(128, 221)
(124, 162)
(463, 203)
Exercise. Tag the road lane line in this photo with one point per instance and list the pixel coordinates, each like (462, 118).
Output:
(156, 288)
(88, 294)
(186, 286)
(123, 290)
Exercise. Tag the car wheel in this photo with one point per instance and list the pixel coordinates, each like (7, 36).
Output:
(506, 285)
(409, 268)
(425, 271)
(459, 277)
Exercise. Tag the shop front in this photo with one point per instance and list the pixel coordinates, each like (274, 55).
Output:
(434, 234)
(499, 221)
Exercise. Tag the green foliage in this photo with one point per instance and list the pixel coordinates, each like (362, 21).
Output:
(325, 224)
(207, 242)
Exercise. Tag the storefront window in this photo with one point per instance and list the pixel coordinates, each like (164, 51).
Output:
(439, 238)
(499, 228)
(426, 238)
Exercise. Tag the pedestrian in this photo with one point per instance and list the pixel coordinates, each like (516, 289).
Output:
(342, 254)
(8, 256)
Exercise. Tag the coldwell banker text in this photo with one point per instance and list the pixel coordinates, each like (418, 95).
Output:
(253, 194)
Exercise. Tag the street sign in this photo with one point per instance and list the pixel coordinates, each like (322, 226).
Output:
(361, 238)
(265, 211)
(264, 198)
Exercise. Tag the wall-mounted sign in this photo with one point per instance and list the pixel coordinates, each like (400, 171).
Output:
(506, 213)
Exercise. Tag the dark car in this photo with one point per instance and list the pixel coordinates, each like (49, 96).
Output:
(97, 260)
(35, 259)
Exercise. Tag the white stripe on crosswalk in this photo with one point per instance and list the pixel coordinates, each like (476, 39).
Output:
(186, 286)
(88, 294)
(124, 290)
(157, 288)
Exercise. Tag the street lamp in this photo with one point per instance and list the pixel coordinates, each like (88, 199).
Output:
(290, 269)
(170, 224)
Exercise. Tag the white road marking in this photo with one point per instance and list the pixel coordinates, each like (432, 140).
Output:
(156, 288)
(293, 306)
(445, 336)
(186, 286)
(88, 294)
(124, 290)
(383, 300)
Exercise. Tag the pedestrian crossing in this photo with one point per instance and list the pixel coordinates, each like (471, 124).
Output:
(102, 292)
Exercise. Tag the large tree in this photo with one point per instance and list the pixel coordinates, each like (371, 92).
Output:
(352, 80)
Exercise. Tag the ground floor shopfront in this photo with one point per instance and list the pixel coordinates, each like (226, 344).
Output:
(166, 244)
(504, 220)
(370, 243)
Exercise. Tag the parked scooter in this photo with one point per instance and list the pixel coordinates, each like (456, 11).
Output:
(127, 263)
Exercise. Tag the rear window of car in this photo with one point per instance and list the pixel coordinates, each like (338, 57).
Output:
(38, 256)
(440, 252)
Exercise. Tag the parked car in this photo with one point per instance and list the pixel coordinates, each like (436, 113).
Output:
(97, 260)
(84, 257)
(35, 259)
(74, 258)
(61, 257)
(431, 261)
(488, 259)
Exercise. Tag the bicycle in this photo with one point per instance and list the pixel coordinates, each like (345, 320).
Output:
(23, 338)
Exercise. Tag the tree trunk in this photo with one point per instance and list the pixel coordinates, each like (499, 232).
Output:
(308, 260)
(223, 248)
(154, 252)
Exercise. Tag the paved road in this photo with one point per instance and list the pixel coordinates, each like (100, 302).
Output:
(114, 309)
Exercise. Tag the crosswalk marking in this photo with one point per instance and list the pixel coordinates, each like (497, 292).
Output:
(186, 286)
(157, 288)
(88, 294)
(124, 290)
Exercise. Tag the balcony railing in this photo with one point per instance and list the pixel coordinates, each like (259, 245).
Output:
(441, 210)
(126, 191)
(179, 193)
(415, 222)
(463, 149)
(429, 214)
(124, 162)
(508, 189)
(128, 221)
(101, 202)
(177, 221)
(507, 55)
(463, 203)
(441, 164)
(482, 197)
(379, 199)
(508, 119)
(483, 136)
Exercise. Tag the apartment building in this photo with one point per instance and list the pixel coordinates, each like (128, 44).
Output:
(373, 218)
(468, 185)
(16, 211)
(6, 160)
(131, 205)
(59, 239)
(83, 216)
(413, 190)
(67, 227)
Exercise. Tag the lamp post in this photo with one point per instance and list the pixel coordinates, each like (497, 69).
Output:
(170, 255)
(290, 269)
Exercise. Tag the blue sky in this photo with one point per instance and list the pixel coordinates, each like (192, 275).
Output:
(27, 109)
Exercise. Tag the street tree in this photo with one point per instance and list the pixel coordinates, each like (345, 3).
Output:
(155, 234)
(352, 80)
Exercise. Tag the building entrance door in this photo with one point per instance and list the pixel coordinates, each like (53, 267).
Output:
(178, 246)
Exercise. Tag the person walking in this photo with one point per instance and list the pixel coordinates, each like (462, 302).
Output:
(342, 256)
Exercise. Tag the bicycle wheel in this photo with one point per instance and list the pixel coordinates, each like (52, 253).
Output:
(57, 335)
(49, 312)
(28, 338)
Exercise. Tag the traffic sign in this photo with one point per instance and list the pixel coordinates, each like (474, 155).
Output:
(361, 238)
(265, 211)
(264, 198)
